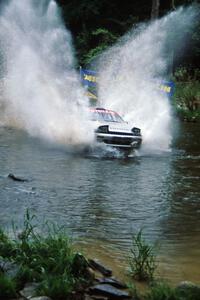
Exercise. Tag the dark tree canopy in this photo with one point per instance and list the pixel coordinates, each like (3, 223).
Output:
(95, 24)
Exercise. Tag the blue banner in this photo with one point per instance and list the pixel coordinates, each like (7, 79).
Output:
(167, 87)
(89, 78)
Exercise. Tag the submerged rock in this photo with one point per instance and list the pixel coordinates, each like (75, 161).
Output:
(96, 265)
(15, 178)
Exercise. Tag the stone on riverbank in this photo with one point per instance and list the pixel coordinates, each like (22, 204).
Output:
(112, 281)
(97, 266)
(108, 291)
(29, 290)
(40, 298)
(188, 289)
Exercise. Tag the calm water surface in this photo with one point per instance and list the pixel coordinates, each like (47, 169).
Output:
(102, 202)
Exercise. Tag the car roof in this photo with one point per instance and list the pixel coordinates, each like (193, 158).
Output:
(100, 109)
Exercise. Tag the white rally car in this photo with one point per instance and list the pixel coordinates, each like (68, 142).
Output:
(112, 130)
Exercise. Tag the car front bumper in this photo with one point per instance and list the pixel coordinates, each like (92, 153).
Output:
(119, 140)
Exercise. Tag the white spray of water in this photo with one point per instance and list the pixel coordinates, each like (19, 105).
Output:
(129, 72)
(40, 89)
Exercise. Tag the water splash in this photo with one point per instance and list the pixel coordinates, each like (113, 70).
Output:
(40, 88)
(130, 70)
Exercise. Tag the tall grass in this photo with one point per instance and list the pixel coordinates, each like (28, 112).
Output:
(7, 247)
(162, 291)
(49, 260)
(142, 259)
(7, 287)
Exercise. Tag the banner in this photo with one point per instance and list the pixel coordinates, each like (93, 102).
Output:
(167, 87)
(89, 79)
(92, 95)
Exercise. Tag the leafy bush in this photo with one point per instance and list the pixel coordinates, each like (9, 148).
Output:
(25, 274)
(162, 291)
(48, 259)
(187, 93)
(142, 260)
(187, 96)
(188, 291)
(56, 287)
(7, 287)
(102, 38)
(6, 245)
(43, 254)
(184, 74)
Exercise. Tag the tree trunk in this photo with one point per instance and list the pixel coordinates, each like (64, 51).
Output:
(173, 5)
(172, 51)
(155, 9)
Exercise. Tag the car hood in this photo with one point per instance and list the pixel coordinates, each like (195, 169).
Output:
(116, 127)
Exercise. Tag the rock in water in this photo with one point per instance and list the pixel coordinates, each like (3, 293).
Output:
(15, 178)
(96, 265)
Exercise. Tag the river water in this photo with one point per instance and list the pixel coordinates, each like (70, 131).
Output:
(103, 202)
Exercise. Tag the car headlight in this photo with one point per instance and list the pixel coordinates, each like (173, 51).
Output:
(136, 131)
(102, 129)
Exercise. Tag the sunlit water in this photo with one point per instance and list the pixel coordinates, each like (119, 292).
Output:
(102, 202)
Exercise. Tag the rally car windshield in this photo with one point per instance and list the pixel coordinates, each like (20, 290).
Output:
(106, 116)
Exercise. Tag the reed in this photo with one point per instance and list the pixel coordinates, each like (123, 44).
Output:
(142, 259)
(162, 291)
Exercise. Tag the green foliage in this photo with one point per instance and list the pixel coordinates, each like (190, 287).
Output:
(7, 287)
(101, 38)
(181, 74)
(43, 255)
(187, 93)
(189, 292)
(48, 259)
(142, 260)
(93, 54)
(56, 287)
(118, 17)
(25, 274)
(105, 35)
(6, 245)
(133, 291)
(187, 96)
(184, 74)
(162, 291)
